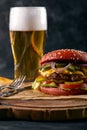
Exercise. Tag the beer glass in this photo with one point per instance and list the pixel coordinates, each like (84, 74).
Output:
(27, 26)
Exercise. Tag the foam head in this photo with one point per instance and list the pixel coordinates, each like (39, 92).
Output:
(28, 18)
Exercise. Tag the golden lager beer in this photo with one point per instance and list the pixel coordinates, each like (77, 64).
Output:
(27, 50)
(27, 27)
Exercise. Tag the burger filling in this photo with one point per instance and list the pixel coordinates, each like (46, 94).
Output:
(62, 76)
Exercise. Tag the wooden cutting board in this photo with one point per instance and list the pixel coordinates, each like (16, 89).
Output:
(34, 105)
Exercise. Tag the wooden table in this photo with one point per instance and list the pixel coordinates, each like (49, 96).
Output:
(34, 105)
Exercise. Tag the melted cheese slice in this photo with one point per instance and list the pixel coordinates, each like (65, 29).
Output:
(47, 73)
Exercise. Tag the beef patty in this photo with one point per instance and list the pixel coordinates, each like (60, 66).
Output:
(65, 77)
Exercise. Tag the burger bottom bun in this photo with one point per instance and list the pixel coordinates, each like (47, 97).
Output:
(62, 92)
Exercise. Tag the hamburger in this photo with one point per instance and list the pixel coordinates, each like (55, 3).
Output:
(63, 72)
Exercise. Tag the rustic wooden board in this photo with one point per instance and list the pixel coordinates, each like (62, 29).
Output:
(34, 105)
(53, 108)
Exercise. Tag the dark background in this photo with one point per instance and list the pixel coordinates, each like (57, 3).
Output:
(67, 27)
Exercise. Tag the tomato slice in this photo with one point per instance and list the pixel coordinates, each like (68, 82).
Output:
(61, 92)
(71, 85)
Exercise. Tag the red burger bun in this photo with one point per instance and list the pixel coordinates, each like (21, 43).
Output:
(65, 55)
(62, 92)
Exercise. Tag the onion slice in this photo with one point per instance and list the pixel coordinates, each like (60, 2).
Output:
(62, 69)
(53, 65)
(59, 70)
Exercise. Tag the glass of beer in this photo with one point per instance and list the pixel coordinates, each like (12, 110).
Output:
(27, 26)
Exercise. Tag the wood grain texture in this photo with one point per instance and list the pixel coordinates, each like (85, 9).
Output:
(43, 109)
(34, 105)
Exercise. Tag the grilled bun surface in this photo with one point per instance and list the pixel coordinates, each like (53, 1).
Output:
(65, 55)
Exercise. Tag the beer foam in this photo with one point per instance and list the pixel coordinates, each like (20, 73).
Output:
(28, 18)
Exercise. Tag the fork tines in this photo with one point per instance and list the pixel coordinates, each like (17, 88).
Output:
(13, 88)
(17, 82)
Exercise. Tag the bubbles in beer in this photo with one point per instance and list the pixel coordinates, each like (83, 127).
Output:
(28, 18)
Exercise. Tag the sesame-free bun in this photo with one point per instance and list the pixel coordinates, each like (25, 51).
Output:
(65, 55)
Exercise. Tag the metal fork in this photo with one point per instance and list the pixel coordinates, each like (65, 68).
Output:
(14, 87)
(15, 84)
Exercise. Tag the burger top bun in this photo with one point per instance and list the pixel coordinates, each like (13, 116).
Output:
(65, 55)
